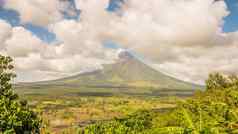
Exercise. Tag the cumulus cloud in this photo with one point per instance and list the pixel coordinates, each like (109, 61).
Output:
(4, 32)
(194, 64)
(22, 43)
(86, 5)
(180, 22)
(78, 49)
(74, 54)
(183, 38)
(38, 12)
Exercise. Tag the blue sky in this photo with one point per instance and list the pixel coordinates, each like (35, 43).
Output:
(231, 21)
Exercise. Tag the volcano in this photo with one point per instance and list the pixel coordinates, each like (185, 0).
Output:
(128, 74)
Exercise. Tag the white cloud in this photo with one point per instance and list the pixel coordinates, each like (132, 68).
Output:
(22, 43)
(86, 5)
(4, 32)
(184, 38)
(76, 52)
(39, 12)
(180, 22)
(196, 69)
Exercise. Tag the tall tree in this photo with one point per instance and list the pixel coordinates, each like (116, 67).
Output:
(15, 115)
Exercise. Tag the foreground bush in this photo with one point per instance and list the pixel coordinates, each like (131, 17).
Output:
(133, 124)
(15, 116)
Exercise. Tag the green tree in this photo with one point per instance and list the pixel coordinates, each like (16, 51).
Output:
(15, 115)
(216, 81)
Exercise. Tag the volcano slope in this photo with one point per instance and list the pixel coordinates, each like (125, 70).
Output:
(128, 76)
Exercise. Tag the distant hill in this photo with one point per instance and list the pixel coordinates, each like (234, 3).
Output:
(126, 75)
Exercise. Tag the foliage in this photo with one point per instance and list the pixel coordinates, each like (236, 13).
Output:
(15, 116)
(219, 81)
(214, 111)
(133, 124)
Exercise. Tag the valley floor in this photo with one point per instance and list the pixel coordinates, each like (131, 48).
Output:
(61, 114)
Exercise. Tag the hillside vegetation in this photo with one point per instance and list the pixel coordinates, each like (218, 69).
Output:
(214, 111)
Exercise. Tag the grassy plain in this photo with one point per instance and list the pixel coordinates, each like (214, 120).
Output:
(65, 110)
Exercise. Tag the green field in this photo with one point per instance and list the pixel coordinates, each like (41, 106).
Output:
(64, 109)
(64, 113)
